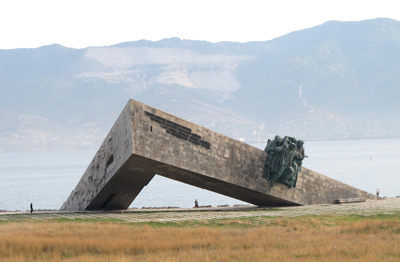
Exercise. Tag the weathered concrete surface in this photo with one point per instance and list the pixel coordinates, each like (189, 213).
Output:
(145, 141)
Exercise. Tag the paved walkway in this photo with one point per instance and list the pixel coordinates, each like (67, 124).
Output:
(372, 207)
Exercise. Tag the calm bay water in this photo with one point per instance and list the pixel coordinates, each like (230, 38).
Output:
(47, 178)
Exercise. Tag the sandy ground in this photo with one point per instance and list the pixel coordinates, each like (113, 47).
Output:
(368, 208)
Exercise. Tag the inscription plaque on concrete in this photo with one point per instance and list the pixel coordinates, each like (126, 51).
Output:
(145, 141)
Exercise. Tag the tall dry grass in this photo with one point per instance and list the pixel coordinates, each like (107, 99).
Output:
(303, 239)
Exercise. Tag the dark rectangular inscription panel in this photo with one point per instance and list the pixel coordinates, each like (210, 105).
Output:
(181, 132)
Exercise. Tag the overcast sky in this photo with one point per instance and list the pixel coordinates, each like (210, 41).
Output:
(82, 23)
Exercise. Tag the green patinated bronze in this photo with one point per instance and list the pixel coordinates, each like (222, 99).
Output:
(284, 159)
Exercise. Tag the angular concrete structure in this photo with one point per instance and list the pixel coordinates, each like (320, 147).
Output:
(145, 141)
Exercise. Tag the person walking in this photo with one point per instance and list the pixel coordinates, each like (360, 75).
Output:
(31, 207)
(377, 193)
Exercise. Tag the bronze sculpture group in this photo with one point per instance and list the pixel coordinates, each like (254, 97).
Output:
(284, 159)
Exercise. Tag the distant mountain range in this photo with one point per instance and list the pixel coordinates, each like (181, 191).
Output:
(338, 80)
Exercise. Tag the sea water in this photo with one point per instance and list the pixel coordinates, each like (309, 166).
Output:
(47, 178)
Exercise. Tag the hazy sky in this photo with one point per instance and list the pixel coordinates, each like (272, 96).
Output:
(82, 23)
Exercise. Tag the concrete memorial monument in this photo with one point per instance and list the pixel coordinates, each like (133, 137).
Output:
(145, 141)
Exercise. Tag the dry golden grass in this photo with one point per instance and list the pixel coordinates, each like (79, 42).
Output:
(282, 239)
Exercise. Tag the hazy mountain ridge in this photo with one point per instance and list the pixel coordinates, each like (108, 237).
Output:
(337, 80)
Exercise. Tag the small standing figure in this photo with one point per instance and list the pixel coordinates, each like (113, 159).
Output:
(31, 208)
(196, 204)
(377, 192)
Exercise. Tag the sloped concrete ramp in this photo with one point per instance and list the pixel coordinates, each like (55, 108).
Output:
(145, 141)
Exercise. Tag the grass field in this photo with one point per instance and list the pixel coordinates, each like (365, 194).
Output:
(305, 238)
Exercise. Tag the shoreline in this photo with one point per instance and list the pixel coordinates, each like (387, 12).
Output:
(367, 208)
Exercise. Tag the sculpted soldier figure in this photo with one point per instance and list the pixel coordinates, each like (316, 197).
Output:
(284, 160)
(285, 170)
(298, 159)
(274, 149)
(292, 171)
